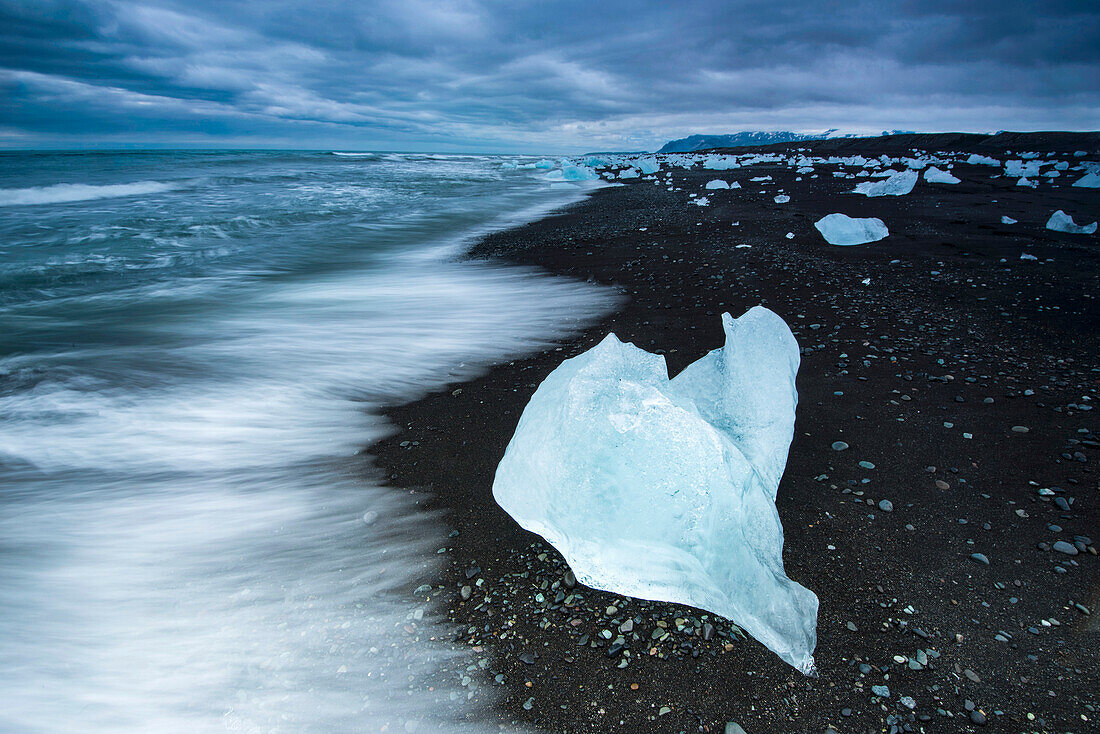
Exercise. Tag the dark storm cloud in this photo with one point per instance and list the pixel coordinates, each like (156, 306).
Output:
(506, 75)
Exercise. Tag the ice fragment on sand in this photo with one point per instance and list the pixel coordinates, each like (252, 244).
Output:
(717, 184)
(628, 173)
(665, 489)
(898, 184)
(1088, 181)
(935, 175)
(840, 229)
(648, 165)
(982, 160)
(1008, 220)
(782, 199)
(1061, 222)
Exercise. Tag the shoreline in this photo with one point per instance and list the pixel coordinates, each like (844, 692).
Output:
(924, 345)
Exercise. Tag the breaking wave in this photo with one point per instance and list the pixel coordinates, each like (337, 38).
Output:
(68, 192)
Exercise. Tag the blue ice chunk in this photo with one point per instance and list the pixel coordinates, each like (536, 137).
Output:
(898, 184)
(579, 173)
(665, 489)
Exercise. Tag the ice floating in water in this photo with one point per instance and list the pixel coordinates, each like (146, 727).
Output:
(935, 175)
(665, 489)
(840, 229)
(717, 184)
(1089, 181)
(898, 184)
(1061, 222)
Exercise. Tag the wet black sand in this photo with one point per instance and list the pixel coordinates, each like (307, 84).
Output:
(953, 346)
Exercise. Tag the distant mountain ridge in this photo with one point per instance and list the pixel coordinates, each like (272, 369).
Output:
(735, 140)
(751, 138)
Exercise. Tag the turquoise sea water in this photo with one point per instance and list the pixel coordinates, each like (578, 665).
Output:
(192, 346)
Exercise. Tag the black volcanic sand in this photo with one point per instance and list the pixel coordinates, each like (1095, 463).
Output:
(961, 372)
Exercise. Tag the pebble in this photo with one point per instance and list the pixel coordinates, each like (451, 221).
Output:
(1063, 547)
(886, 505)
(940, 484)
(882, 691)
(980, 558)
(866, 465)
(1020, 429)
(839, 446)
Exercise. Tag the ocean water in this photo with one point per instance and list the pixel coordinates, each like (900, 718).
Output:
(193, 347)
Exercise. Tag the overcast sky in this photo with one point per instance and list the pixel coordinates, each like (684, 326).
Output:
(528, 75)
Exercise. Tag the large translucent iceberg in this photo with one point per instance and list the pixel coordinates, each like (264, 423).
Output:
(665, 489)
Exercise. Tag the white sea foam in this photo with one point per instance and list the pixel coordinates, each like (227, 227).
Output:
(67, 192)
(199, 545)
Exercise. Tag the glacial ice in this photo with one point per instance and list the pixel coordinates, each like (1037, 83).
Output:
(1088, 181)
(1018, 168)
(840, 229)
(648, 165)
(720, 163)
(782, 199)
(665, 489)
(898, 184)
(717, 184)
(982, 160)
(1061, 222)
(579, 173)
(935, 175)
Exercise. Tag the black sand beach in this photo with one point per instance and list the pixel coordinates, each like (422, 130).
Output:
(964, 374)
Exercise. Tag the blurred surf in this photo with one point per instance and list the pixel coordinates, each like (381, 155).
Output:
(191, 353)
